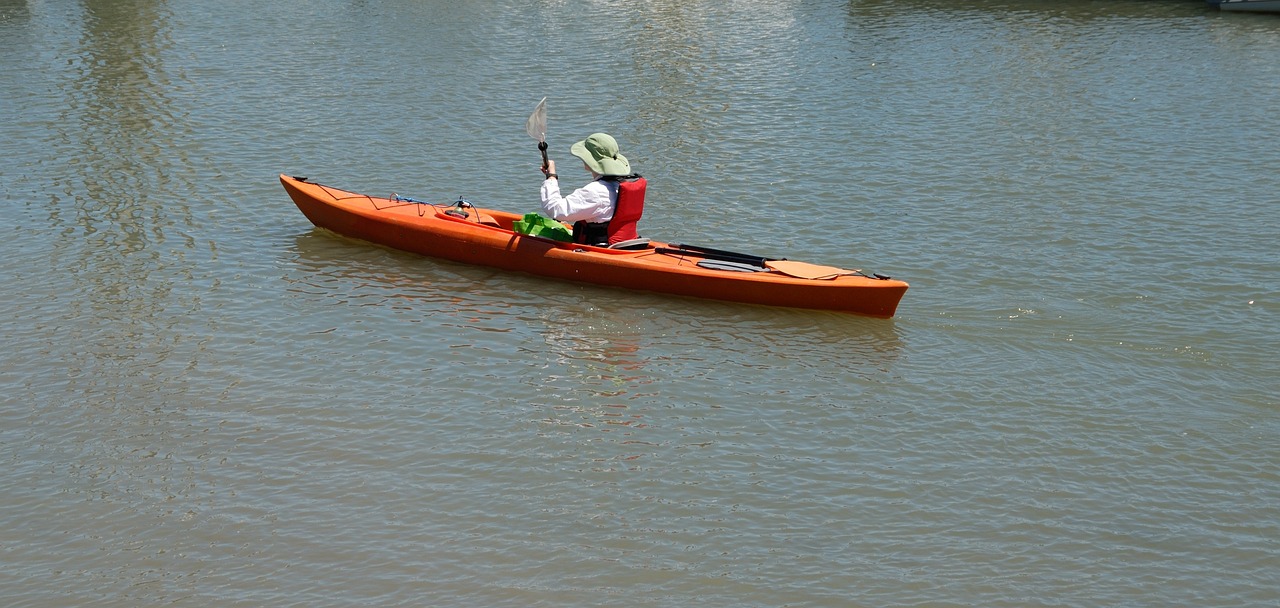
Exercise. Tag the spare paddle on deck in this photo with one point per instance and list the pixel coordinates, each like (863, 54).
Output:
(800, 270)
(755, 259)
(713, 254)
(805, 270)
(730, 266)
(695, 251)
(536, 127)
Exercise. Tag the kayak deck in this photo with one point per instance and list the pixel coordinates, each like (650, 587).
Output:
(468, 234)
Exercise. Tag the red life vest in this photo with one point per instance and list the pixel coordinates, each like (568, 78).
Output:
(628, 209)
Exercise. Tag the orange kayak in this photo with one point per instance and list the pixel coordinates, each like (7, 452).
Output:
(464, 233)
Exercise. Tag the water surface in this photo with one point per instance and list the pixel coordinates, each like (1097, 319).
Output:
(208, 402)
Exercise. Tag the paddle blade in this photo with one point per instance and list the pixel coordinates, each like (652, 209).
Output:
(536, 126)
(805, 270)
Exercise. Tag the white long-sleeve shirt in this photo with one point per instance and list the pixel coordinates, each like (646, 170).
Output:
(593, 202)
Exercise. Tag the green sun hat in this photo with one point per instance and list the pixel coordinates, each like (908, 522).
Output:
(600, 152)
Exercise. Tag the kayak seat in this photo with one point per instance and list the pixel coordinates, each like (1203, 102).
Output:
(628, 209)
(631, 244)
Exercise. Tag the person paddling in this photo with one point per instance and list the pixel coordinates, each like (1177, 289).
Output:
(590, 207)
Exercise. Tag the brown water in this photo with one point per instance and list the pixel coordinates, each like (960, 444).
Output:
(206, 402)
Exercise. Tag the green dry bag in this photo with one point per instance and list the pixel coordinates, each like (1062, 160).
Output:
(534, 224)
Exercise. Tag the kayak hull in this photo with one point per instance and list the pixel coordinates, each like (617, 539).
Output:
(485, 238)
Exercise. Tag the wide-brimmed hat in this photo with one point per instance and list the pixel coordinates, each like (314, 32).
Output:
(600, 152)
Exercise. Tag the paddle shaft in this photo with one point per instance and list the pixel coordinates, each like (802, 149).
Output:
(714, 254)
(721, 254)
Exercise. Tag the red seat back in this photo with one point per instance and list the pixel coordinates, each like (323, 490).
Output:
(628, 210)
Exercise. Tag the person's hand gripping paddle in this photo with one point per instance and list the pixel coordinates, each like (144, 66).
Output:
(536, 127)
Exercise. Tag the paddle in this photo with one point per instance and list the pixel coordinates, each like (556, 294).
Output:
(754, 259)
(713, 254)
(805, 270)
(800, 270)
(536, 127)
